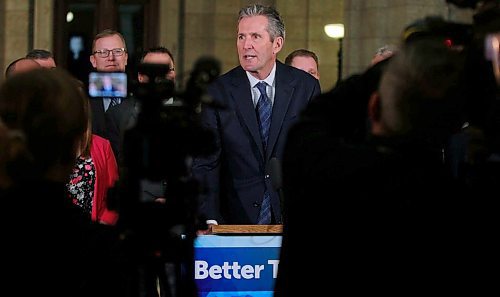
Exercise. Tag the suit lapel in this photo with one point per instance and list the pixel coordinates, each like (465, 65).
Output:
(282, 98)
(128, 114)
(98, 120)
(244, 107)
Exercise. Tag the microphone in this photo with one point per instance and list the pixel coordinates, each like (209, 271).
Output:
(275, 173)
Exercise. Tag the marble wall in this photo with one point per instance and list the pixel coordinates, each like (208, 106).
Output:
(372, 24)
(14, 38)
(208, 27)
(23, 26)
(43, 22)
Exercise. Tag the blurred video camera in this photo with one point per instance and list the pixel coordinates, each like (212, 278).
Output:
(158, 86)
(479, 40)
(480, 44)
(107, 84)
(157, 152)
(436, 28)
(168, 130)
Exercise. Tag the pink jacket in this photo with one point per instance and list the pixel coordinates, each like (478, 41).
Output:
(106, 176)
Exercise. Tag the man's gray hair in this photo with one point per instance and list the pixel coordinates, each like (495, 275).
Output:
(276, 26)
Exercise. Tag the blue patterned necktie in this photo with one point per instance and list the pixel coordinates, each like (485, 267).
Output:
(113, 101)
(264, 113)
(264, 116)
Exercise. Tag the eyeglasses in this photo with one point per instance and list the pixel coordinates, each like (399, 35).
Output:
(105, 52)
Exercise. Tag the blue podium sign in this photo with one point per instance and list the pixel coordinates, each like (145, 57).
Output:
(231, 266)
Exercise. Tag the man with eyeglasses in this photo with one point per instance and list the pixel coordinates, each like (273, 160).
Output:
(109, 54)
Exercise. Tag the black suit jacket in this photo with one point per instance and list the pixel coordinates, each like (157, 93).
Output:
(235, 176)
(118, 118)
(98, 118)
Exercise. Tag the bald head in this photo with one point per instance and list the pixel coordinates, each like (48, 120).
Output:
(21, 65)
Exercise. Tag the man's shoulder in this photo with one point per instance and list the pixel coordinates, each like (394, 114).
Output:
(96, 104)
(293, 72)
(124, 107)
(295, 78)
(235, 76)
(232, 73)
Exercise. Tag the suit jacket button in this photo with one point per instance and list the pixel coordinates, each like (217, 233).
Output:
(255, 204)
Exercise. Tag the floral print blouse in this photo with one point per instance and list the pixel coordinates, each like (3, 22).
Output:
(81, 184)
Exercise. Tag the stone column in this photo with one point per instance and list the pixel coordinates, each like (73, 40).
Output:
(370, 24)
(14, 17)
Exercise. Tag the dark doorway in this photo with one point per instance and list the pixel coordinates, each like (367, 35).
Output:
(78, 21)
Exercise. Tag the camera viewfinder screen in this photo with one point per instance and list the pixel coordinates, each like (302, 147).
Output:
(107, 84)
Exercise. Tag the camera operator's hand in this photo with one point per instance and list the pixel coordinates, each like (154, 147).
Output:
(207, 231)
(160, 200)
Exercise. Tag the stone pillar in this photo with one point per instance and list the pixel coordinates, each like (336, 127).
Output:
(43, 24)
(3, 29)
(14, 32)
(304, 22)
(370, 24)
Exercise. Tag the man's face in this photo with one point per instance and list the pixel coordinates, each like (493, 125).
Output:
(46, 63)
(158, 58)
(107, 82)
(256, 52)
(111, 63)
(307, 64)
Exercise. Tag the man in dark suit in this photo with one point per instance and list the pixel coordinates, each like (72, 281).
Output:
(109, 54)
(236, 177)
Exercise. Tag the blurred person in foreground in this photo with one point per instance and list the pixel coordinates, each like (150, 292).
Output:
(390, 233)
(345, 107)
(95, 170)
(250, 132)
(43, 118)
